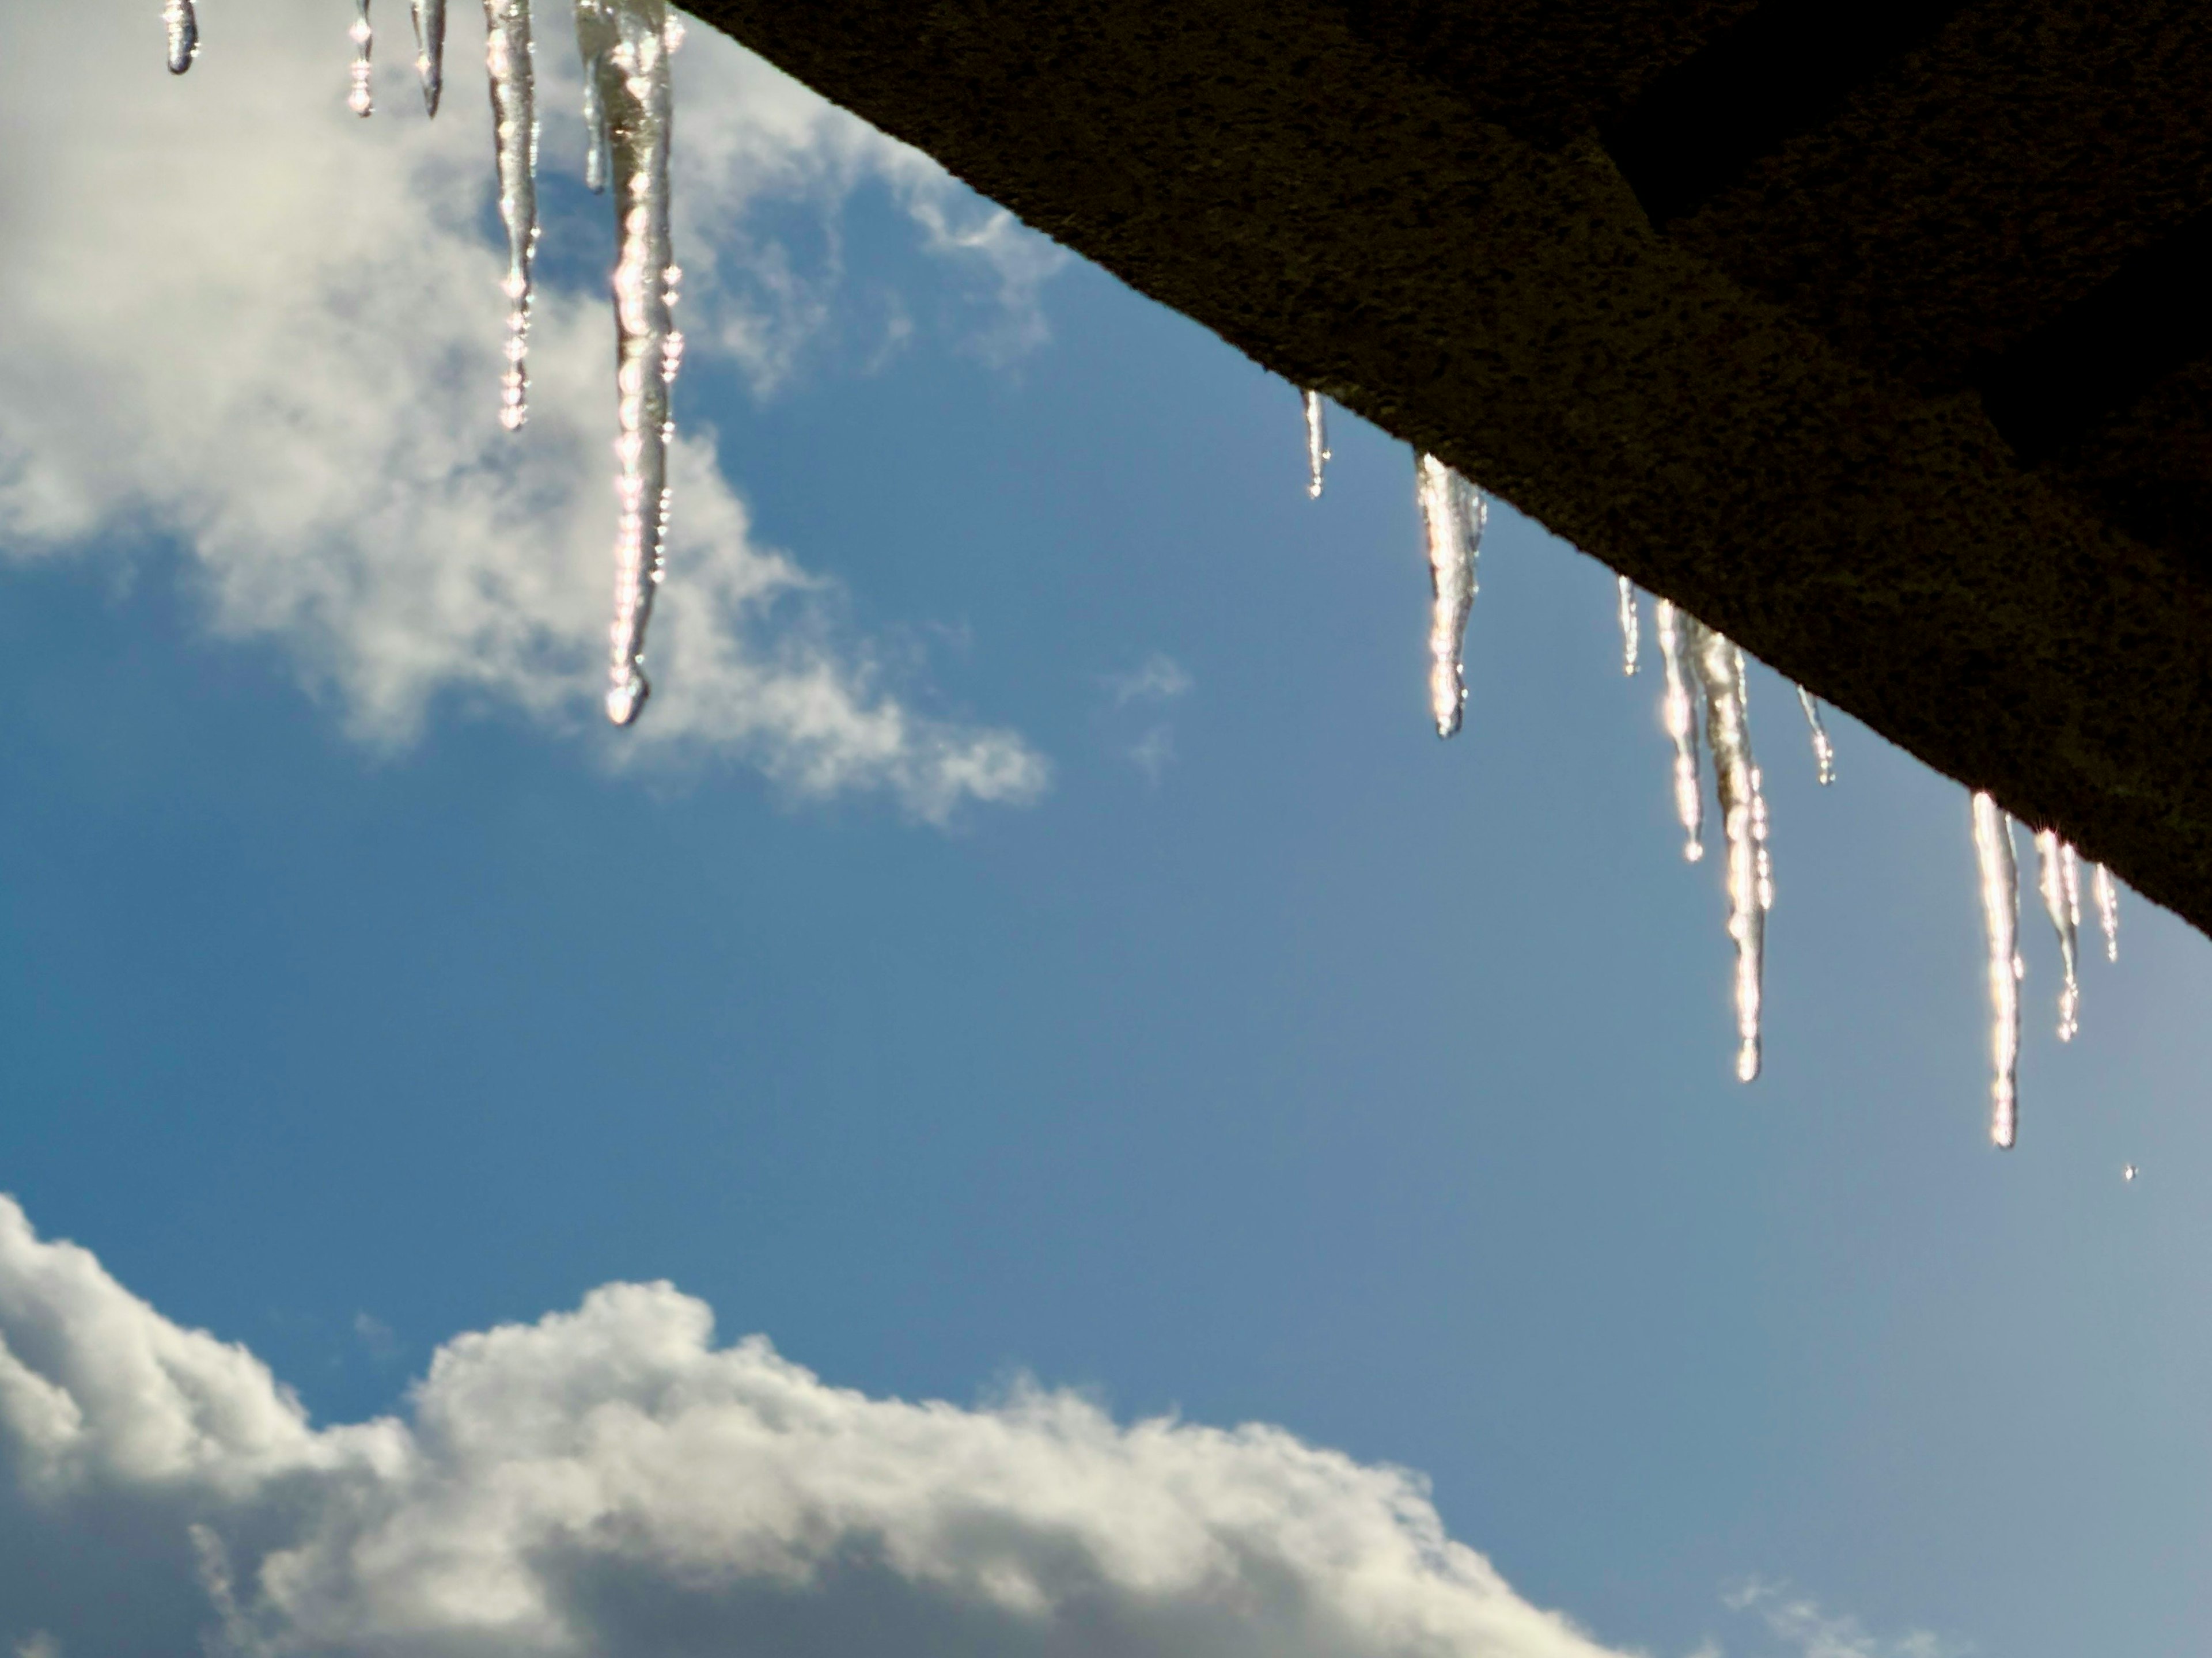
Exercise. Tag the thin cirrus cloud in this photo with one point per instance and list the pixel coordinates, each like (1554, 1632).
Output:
(610, 1481)
(235, 319)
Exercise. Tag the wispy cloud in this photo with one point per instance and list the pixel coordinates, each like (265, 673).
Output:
(1158, 678)
(1807, 1630)
(610, 1481)
(236, 320)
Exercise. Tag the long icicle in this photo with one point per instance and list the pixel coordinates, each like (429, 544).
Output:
(626, 45)
(430, 51)
(1677, 709)
(183, 26)
(1453, 513)
(514, 129)
(1632, 629)
(360, 96)
(1317, 455)
(1824, 751)
(2000, 874)
(1719, 666)
(2052, 856)
(2108, 911)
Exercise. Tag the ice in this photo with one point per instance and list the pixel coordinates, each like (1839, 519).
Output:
(2054, 876)
(1453, 513)
(1824, 751)
(2000, 875)
(1677, 709)
(514, 129)
(1631, 628)
(625, 45)
(2108, 911)
(1317, 455)
(1718, 666)
(184, 26)
(361, 98)
(2128, 1172)
(430, 51)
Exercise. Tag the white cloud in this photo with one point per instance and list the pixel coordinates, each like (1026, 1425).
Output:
(233, 318)
(1801, 1624)
(1158, 678)
(608, 1481)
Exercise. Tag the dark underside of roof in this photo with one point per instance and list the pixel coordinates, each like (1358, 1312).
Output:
(1879, 336)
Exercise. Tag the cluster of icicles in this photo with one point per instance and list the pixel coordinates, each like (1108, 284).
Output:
(625, 46)
(1705, 706)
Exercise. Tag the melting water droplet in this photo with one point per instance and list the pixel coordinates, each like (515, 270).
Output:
(183, 26)
(2108, 911)
(514, 129)
(430, 51)
(1824, 751)
(1722, 679)
(2000, 879)
(2053, 862)
(1317, 454)
(2128, 1172)
(625, 44)
(361, 98)
(1632, 629)
(1678, 711)
(1453, 513)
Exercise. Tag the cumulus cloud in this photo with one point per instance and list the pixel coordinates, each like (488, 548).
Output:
(235, 320)
(610, 1481)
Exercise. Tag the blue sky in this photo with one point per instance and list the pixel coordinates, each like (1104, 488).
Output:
(1240, 1052)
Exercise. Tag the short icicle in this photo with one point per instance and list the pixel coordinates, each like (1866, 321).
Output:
(2108, 911)
(2053, 876)
(430, 51)
(2000, 874)
(361, 97)
(183, 26)
(1719, 667)
(1677, 709)
(1632, 629)
(625, 45)
(1317, 454)
(1453, 513)
(514, 133)
(1824, 751)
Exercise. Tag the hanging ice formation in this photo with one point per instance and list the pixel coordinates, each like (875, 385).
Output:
(515, 136)
(1632, 629)
(2058, 879)
(2108, 912)
(625, 45)
(2000, 874)
(183, 26)
(1317, 456)
(430, 51)
(1453, 513)
(361, 98)
(1824, 751)
(1722, 683)
(1678, 711)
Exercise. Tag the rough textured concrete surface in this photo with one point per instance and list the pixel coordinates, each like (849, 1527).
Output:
(1869, 333)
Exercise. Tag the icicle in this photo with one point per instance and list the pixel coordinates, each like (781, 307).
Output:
(2051, 857)
(361, 98)
(1678, 708)
(1824, 751)
(1719, 667)
(430, 51)
(1453, 513)
(1632, 629)
(184, 25)
(1317, 454)
(2000, 874)
(514, 130)
(625, 45)
(2108, 911)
